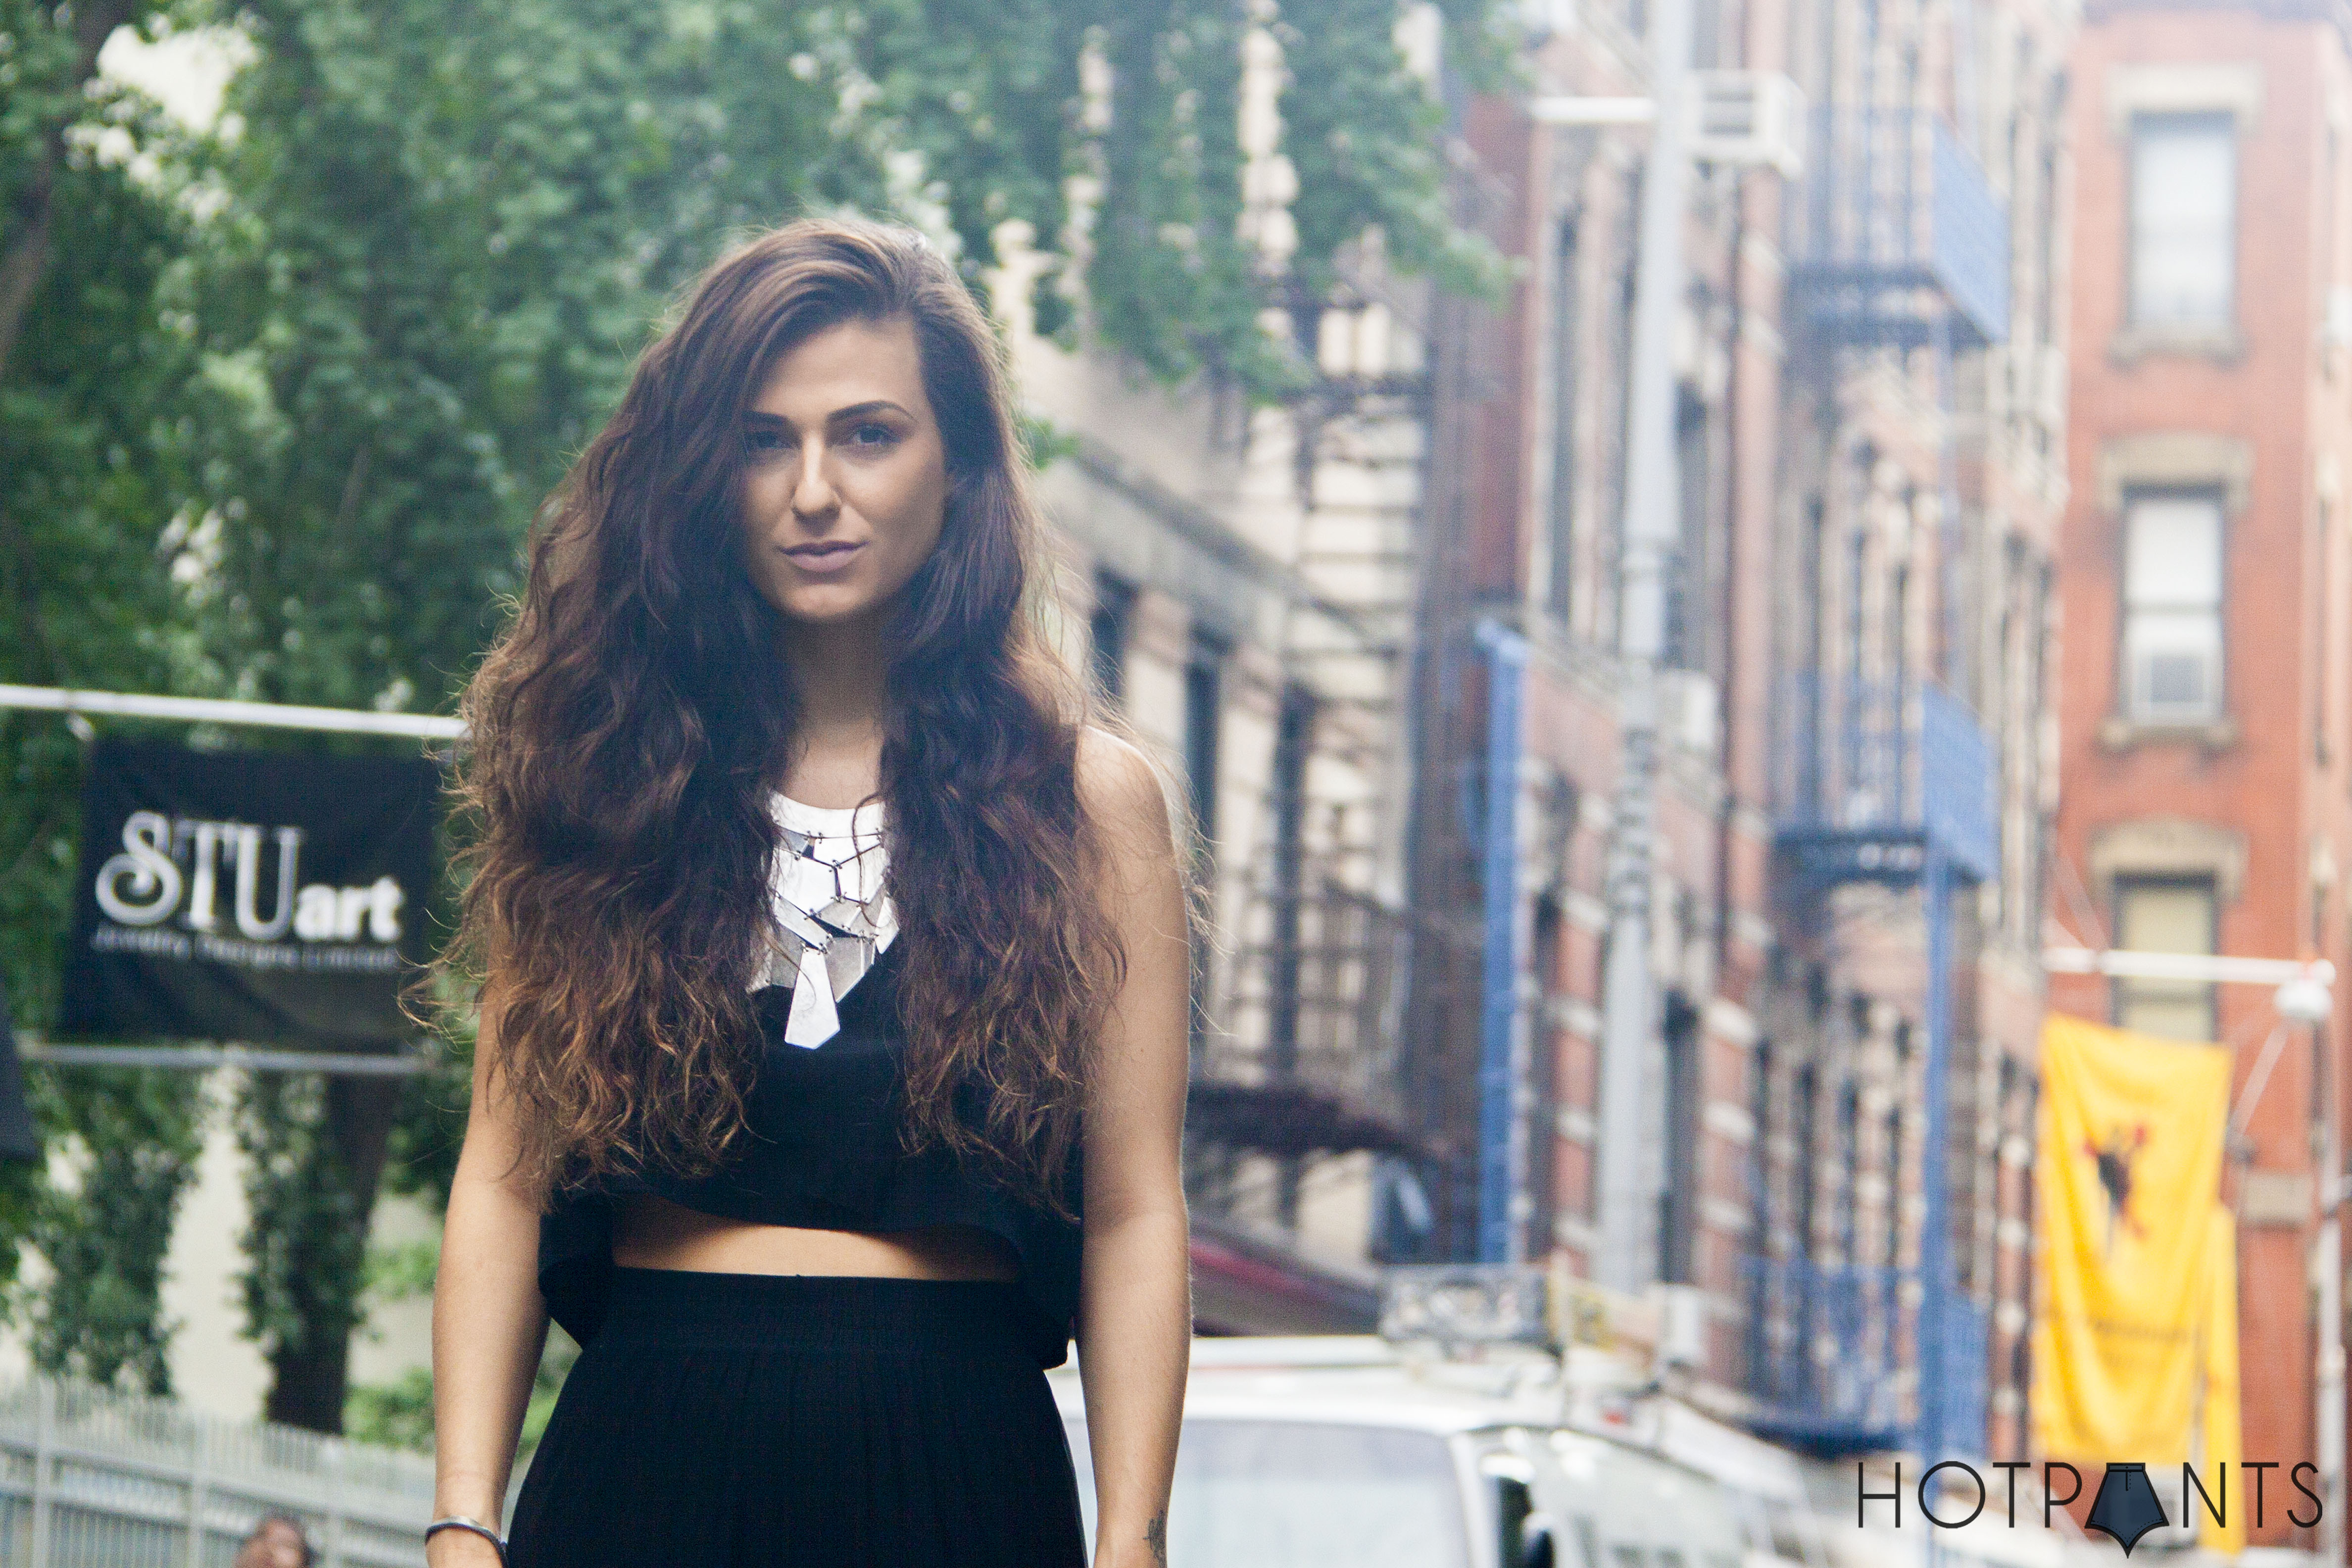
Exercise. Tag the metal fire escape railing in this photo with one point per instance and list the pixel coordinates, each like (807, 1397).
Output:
(1890, 784)
(1316, 988)
(1899, 233)
(1870, 773)
(1899, 244)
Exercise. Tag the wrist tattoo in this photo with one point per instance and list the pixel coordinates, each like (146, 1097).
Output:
(1155, 1535)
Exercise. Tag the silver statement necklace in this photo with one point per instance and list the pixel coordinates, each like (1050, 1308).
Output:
(831, 917)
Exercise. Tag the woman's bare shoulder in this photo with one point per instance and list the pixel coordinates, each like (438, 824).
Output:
(1123, 791)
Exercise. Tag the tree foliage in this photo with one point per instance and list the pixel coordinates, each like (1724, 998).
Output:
(135, 1137)
(101, 421)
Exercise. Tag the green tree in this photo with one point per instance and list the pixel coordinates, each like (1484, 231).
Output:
(135, 1136)
(98, 419)
(50, 59)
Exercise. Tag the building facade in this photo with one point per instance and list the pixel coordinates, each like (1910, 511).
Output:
(1239, 580)
(1868, 441)
(2207, 803)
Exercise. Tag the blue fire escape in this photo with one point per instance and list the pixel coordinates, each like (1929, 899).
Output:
(1901, 246)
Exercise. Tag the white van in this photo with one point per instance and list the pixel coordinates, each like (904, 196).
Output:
(1339, 1453)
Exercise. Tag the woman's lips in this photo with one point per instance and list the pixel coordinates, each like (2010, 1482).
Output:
(826, 558)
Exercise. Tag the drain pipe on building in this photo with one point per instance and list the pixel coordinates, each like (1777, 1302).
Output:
(1626, 1259)
(1503, 1044)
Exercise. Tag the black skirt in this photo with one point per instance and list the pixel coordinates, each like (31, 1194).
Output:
(764, 1421)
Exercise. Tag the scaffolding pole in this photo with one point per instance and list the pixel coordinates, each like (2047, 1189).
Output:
(204, 1059)
(224, 710)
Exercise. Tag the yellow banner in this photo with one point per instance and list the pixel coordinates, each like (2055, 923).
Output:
(2127, 1181)
(2224, 1443)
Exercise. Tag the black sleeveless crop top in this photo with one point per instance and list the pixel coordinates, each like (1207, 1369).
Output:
(823, 1152)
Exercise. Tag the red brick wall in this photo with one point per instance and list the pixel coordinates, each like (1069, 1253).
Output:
(2264, 774)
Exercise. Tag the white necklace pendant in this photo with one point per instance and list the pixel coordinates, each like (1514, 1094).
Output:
(833, 919)
(814, 1018)
(846, 960)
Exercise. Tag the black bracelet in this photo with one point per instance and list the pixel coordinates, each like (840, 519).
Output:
(471, 1527)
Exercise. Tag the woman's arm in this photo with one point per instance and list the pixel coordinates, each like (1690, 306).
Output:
(488, 1322)
(1135, 1312)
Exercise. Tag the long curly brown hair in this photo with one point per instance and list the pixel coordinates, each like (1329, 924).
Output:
(629, 727)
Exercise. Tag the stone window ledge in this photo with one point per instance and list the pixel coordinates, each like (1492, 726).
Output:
(2120, 733)
(2130, 345)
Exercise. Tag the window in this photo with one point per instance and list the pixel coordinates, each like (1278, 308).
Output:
(2172, 608)
(1294, 742)
(1678, 1210)
(1805, 1103)
(1687, 607)
(1893, 1213)
(2184, 201)
(1204, 704)
(1544, 1165)
(1707, 34)
(1850, 1172)
(2048, 225)
(1609, 559)
(1565, 319)
(2166, 915)
(1759, 1116)
(1113, 620)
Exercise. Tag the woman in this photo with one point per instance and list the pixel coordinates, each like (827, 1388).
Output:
(832, 1057)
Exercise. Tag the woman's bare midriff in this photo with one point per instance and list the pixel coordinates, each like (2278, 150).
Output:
(653, 1233)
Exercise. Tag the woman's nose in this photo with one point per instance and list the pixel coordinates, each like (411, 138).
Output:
(813, 494)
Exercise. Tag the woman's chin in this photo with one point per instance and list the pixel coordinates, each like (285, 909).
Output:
(825, 604)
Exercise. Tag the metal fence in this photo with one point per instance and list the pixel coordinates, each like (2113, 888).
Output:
(93, 1478)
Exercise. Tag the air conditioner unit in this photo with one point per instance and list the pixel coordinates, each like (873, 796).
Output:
(1752, 119)
(2175, 685)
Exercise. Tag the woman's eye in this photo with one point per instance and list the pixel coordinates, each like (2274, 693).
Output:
(873, 436)
(760, 438)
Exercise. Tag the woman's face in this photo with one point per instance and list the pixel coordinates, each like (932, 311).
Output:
(845, 481)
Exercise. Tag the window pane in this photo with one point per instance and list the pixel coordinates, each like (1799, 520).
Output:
(2175, 551)
(2170, 1012)
(2175, 659)
(2165, 917)
(2172, 597)
(2184, 201)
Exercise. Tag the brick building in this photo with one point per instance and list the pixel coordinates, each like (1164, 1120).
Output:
(2207, 679)
(1868, 445)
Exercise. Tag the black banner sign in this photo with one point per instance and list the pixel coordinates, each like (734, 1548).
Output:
(248, 895)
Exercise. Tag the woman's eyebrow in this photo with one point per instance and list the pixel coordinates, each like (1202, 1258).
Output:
(855, 411)
(876, 406)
